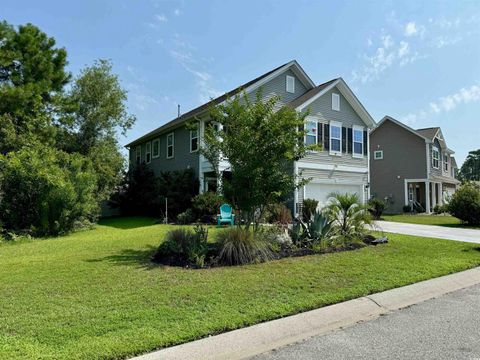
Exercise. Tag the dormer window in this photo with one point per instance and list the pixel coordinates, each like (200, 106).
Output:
(290, 84)
(335, 102)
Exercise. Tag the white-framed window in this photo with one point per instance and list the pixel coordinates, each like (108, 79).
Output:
(335, 138)
(378, 155)
(170, 146)
(290, 86)
(148, 152)
(410, 192)
(335, 102)
(357, 141)
(435, 157)
(193, 140)
(445, 163)
(311, 132)
(155, 148)
(138, 154)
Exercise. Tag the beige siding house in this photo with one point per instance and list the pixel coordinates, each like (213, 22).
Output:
(411, 167)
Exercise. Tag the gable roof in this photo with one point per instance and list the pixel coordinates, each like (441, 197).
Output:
(429, 133)
(312, 95)
(247, 87)
(406, 127)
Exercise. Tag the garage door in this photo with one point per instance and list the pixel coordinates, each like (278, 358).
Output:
(321, 192)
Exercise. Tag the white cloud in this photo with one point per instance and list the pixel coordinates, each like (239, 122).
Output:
(177, 12)
(404, 49)
(369, 42)
(445, 104)
(410, 29)
(387, 41)
(161, 18)
(443, 41)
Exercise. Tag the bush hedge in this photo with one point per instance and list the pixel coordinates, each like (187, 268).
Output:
(465, 204)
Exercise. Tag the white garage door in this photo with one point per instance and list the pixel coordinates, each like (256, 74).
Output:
(321, 192)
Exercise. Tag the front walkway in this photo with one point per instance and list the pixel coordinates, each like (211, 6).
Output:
(433, 231)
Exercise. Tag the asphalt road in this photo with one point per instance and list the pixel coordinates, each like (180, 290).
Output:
(444, 328)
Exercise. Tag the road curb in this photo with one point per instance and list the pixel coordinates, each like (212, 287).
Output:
(260, 338)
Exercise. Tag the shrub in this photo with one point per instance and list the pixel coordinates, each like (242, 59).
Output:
(376, 207)
(207, 204)
(407, 209)
(279, 214)
(465, 204)
(44, 191)
(239, 246)
(440, 209)
(277, 235)
(183, 247)
(309, 208)
(187, 217)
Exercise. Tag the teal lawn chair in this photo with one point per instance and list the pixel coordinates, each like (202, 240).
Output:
(226, 215)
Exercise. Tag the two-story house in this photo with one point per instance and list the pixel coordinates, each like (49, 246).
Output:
(411, 167)
(336, 119)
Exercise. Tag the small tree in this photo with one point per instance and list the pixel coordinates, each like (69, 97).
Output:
(470, 170)
(465, 203)
(260, 144)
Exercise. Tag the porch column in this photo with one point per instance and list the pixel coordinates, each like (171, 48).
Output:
(440, 194)
(434, 194)
(406, 192)
(427, 197)
(201, 179)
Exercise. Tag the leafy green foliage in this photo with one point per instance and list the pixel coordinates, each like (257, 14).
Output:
(46, 192)
(376, 207)
(470, 170)
(207, 203)
(440, 209)
(183, 247)
(309, 208)
(186, 217)
(279, 214)
(465, 203)
(407, 208)
(240, 246)
(260, 143)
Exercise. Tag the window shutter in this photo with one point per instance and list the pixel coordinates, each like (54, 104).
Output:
(344, 139)
(350, 140)
(326, 137)
(320, 133)
(365, 142)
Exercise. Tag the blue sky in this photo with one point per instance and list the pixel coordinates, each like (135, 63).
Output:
(417, 61)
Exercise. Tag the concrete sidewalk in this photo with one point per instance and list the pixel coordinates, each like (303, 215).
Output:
(433, 231)
(257, 339)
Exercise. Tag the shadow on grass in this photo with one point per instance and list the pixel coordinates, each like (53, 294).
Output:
(137, 257)
(126, 223)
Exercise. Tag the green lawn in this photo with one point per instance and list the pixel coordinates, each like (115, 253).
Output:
(94, 294)
(441, 220)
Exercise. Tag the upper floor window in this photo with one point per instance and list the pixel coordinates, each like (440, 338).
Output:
(311, 136)
(335, 102)
(290, 84)
(156, 148)
(193, 140)
(148, 152)
(138, 154)
(170, 145)
(445, 163)
(335, 138)
(435, 157)
(357, 141)
(378, 155)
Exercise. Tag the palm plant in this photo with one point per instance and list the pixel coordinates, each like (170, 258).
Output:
(348, 218)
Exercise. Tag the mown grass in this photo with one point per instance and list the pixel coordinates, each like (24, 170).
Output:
(440, 220)
(95, 295)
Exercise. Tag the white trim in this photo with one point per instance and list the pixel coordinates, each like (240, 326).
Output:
(148, 151)
(335, 152)
(375, 155)
(427, 150)
(173, 145)
(290, 79)
(196, 137)
(361, 129)
(295, 193)
(311, 119)
(316, 166)
(335, 102)
(348, 95)
(406, 191)
(368, 163)
(153, 152)
(434, 148)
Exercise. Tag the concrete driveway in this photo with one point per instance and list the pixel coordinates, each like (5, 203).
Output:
(444, 328)
(441, 232)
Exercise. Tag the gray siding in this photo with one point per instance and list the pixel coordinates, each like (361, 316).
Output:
(321, 110)
(433, 171)
(182, 159)
(404, 157)
(277, 87)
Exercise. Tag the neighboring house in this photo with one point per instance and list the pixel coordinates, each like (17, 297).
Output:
(410, 167)
(336, 119)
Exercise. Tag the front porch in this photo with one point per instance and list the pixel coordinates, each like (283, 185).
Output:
(423, 195)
